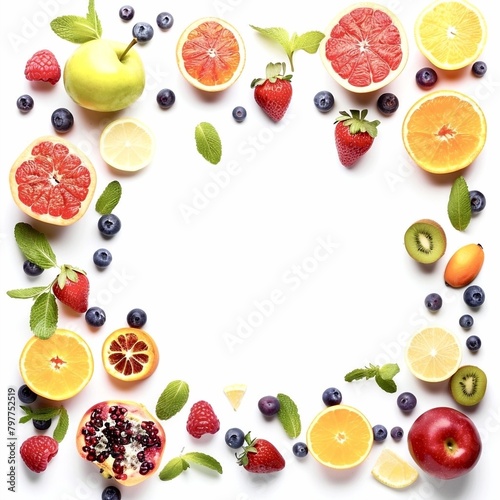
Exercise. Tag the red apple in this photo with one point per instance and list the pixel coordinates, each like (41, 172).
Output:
(444, 442)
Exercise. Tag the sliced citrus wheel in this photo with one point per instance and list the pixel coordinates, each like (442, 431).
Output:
(451, 34)
(59, 367)
(127, 144)
(433, 354)
(235, 393)
(393, 471)
(130, 354)
(365, 47)
(340, 437)
(211, 54)
(444, 131)
(53, 181)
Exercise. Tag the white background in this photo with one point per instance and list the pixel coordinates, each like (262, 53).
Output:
(199, 276)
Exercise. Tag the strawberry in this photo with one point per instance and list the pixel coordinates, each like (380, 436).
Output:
(202, 420)
(71, 287)
(37, 451)
(354, 135)
(43, 66)
(273, 93)
(260, 456)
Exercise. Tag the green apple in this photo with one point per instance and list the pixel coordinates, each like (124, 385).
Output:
(104, 75)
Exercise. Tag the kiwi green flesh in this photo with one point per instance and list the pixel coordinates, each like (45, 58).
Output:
(425, 241)
(468, 385)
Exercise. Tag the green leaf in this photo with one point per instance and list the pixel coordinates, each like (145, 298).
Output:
(383, 375)
(78, 29)
(62, 425)
(34, 246)
(45, 413)
(93, 19)
(459, 206)
(26, 293)
(44, 315)
(288, 415)
(109, 198)
(388, 371)
(387, 385)
(309, 42)
(173, 468)
(203, 459)
(172, 399)
(208, 142)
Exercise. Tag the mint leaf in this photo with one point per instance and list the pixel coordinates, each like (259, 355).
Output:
(388, 371)
(383, 375)
(289, 416)
(203, 459)
(46, 414)
(109, 198)
(208, 142)
(26, 293)
(388, 385)
(34, 245)
(93, 19)
(173, 468)
(78, 29)
(44, 315)
(459, 207)
(172, 399)
(62, 425)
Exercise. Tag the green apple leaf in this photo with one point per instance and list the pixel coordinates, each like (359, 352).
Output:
(78, 29)
(208, 142)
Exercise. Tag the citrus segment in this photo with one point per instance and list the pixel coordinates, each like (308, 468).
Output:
(57, 368)
(53, 181)
(451, 33)
(340, 437)
(235, 393)
(433, 354)
(127, 144)
(130, 354)
(210, 54)
(365, 47)
(390, 469)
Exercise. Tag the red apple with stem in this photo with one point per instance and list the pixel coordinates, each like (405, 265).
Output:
(444, 442)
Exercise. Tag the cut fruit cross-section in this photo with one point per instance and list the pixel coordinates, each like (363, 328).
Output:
(235, 393)
(393, 471)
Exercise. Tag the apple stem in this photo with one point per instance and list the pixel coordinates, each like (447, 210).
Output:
(129, 46)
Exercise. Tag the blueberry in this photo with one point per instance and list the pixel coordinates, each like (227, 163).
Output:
(239, 114)
(111, 493)
(235, 438)
(143, 32)
(397, 433)
(62, 120)
(32, 269)
(407, 401)
(102, 257)
(109, 225)
(331, 396)
(26, 395)
(479, 68)
(426, 78)
(473, 343)
(42, 425)
(25, 103)
(269, 405)
(164, 20)
(95, 316)
(165, 98)
(387, 103)
(300, 449)
(474, 296)
(379, 432)
(137, 318)
(324, 101)
(433, 301)
(477, 201)
(126, 12)
(466, 321)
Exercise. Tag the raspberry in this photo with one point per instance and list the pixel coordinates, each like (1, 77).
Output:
(43, 66)
(202, 420)
(37, 451)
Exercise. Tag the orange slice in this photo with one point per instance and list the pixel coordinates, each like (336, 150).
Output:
(211, 54)
(130, 354)
(444, 131)
(57, 368)
(340, 437)
(393, 471)
(235, 393)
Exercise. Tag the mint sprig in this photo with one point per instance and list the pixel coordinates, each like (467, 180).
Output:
(177, 465)
(459, 206)
(208, 142)
(47, 414)
(383, 375)
(172, 399)
(34, 246)
(78, 29)
(288, 415)
(109, 198)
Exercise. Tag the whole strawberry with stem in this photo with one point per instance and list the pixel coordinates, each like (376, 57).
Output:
(71, 287)
(260, 456)
(354, 135)
(274, 92)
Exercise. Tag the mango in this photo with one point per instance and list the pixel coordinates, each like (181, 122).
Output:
(464, 265)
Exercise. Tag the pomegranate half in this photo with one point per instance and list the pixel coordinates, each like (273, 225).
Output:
(123, 439)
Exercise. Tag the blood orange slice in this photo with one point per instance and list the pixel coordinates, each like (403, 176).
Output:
(365, 47)
(53, 181)
(211, 54)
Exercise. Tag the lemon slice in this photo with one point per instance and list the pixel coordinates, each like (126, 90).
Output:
(235, 393)
(393, 471)
(127, 144)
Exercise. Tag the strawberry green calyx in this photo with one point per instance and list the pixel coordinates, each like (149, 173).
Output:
(357, 123)
(249, 448)
(274, 71)
(66, 273)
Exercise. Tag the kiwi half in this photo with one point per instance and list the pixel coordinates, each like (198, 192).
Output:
(425, 241)
(468, 385)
